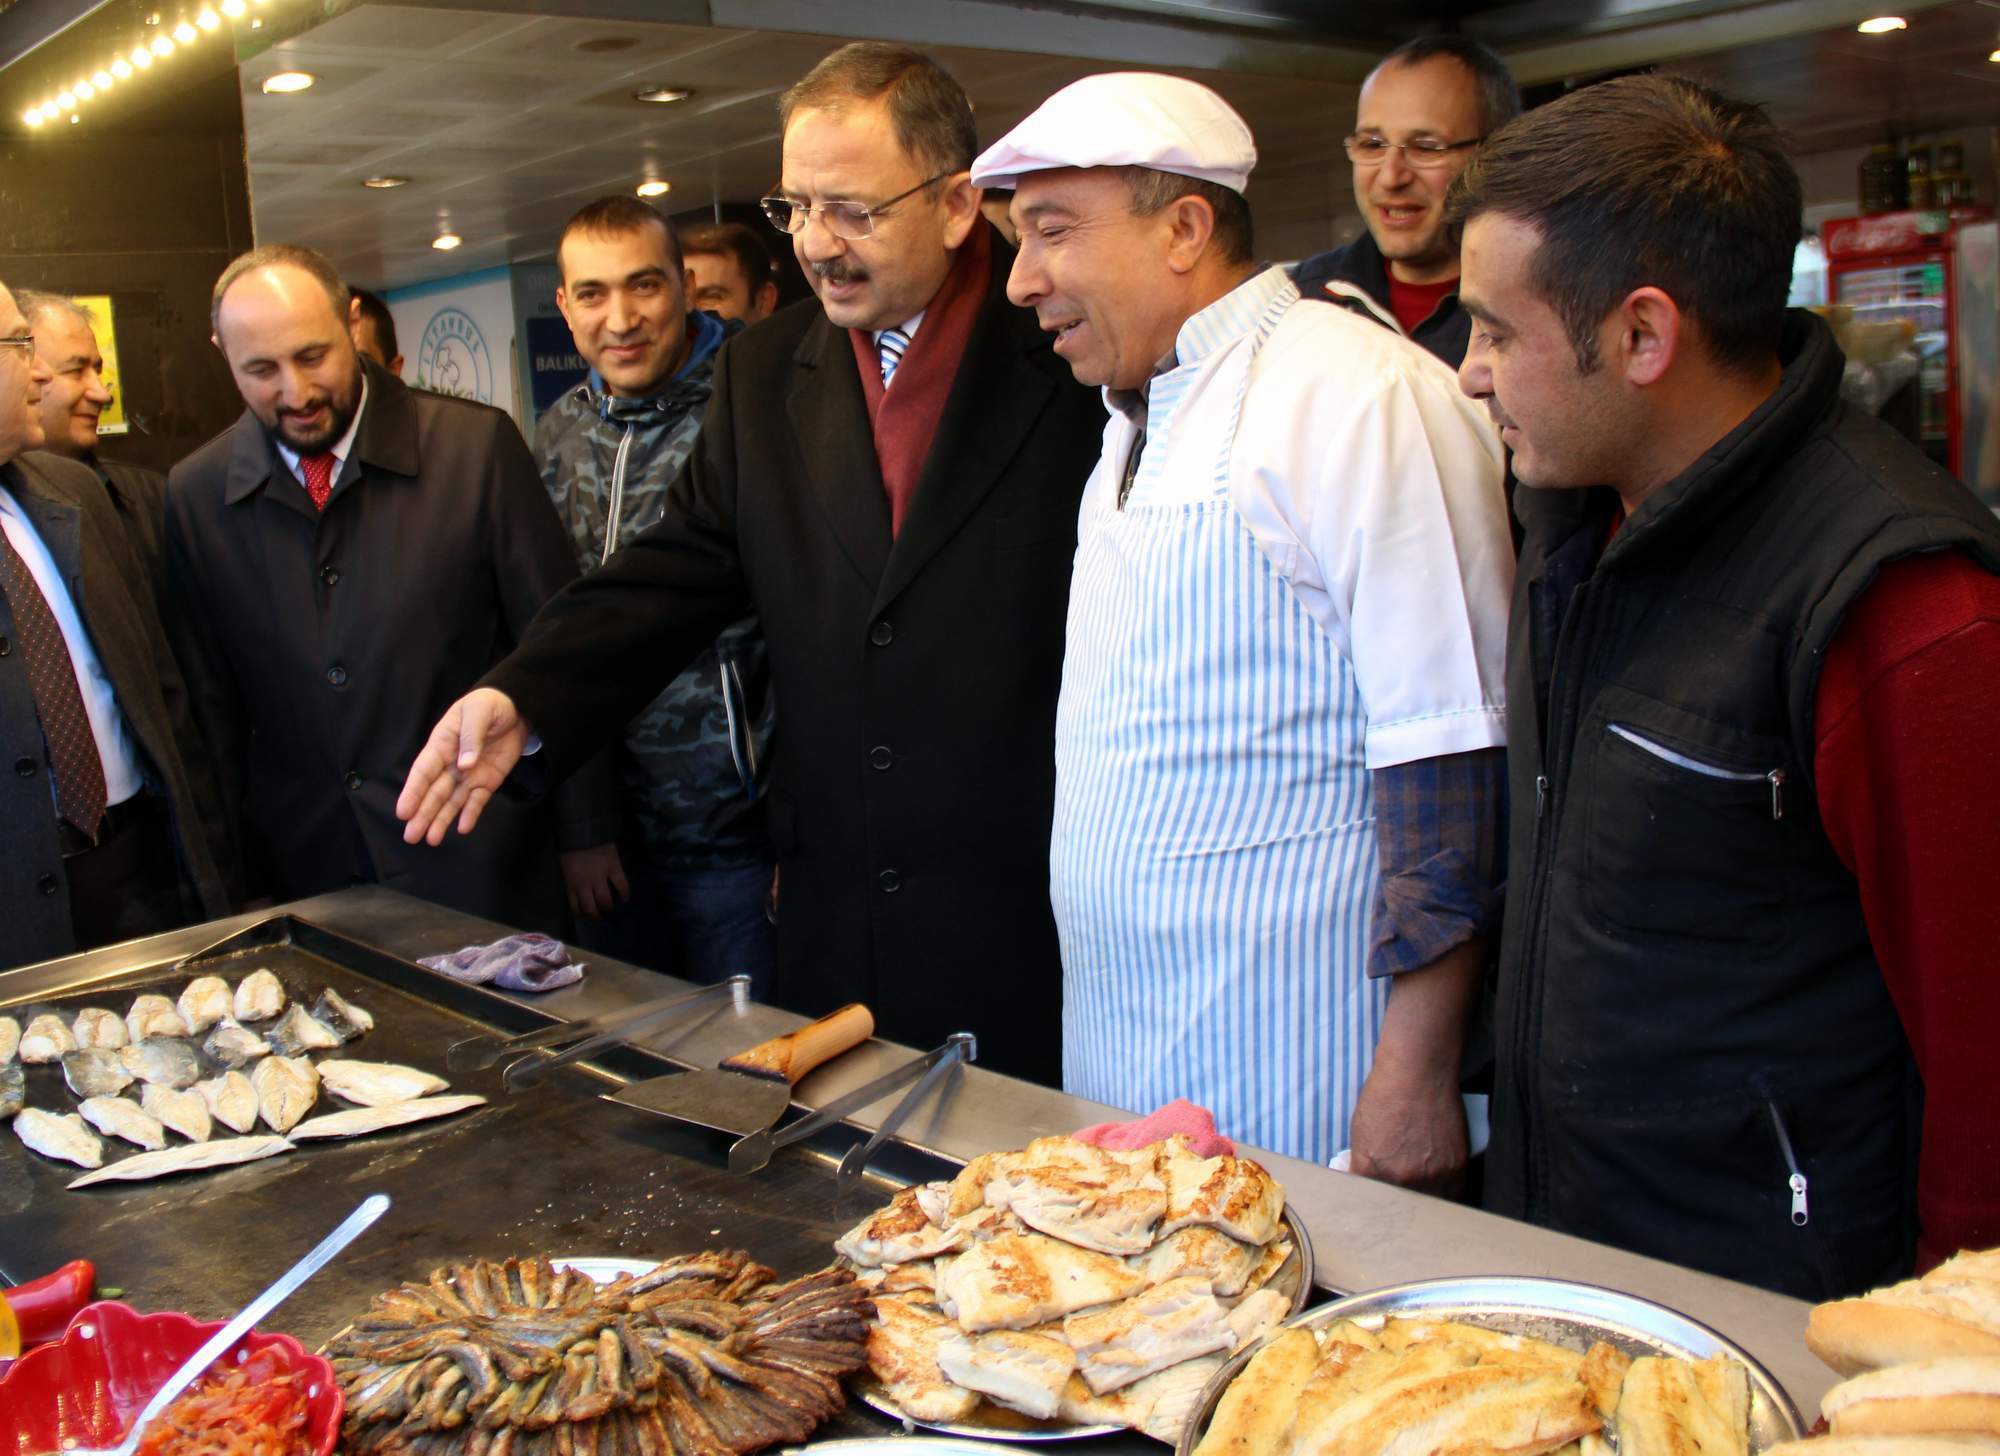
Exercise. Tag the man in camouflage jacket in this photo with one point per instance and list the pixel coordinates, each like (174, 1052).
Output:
(695, 851)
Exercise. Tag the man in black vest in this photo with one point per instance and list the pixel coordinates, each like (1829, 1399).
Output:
(1744, 990)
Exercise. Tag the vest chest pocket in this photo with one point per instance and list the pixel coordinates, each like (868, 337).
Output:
(1685, 844)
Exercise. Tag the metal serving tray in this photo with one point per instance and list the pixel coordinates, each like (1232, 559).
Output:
(1575, 1316)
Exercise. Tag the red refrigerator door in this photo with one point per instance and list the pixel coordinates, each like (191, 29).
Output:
(1915, 288)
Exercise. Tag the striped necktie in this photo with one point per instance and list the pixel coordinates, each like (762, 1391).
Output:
(73, 758)
(892, 344)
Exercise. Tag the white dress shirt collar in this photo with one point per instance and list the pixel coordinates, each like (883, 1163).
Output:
(341, 447)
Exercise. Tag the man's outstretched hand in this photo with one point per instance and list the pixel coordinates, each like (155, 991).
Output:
(469, 755)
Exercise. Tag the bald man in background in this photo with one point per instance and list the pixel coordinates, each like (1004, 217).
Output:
(343, 562)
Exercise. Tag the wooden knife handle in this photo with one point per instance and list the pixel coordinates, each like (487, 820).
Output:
(789, 1057)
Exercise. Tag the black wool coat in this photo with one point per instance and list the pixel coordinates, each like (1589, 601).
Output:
(916, 677)
(322, 647)
(113, 595)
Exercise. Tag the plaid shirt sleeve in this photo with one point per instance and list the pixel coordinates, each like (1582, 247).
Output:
(1440, 832)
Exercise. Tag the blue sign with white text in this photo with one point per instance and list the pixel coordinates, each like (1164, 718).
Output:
(553, 363)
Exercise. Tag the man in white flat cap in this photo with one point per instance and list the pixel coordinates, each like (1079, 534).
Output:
(1279, 740)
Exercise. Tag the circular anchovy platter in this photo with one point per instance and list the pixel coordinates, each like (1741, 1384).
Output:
(706, 1355)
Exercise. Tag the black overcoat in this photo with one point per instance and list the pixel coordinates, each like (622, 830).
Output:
(322, 647)
(114, 596)
(916, 677)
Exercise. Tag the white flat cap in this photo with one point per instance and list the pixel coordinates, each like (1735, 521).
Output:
(1126, 119)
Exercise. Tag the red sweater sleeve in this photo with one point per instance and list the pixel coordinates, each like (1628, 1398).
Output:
(1907, 722)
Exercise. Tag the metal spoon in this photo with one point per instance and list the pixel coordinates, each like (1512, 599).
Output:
(372, 1207)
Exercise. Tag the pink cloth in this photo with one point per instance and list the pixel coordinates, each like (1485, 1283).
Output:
(1197, 1124)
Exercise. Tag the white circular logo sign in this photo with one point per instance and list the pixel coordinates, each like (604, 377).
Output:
(454, 359)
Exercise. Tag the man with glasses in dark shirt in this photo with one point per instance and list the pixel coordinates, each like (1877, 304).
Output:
(1423, 110)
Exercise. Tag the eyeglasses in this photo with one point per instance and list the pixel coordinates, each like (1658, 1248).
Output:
(848, 220)
(24, 342)
(1365, 150)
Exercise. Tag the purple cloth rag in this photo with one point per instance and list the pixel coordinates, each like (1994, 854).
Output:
(526, 962)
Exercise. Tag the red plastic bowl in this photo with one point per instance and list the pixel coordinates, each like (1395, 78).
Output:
(86, 1388)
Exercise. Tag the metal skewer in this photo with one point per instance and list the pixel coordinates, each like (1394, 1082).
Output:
(477, 1052)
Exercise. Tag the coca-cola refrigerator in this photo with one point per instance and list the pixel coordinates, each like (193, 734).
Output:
(1939, 270)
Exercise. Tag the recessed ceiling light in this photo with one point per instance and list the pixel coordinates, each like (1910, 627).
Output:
(74, 119)
(654, 187)
(1994, 57)
(284, 83)
(66, 101)
(1882, 25)
(208, 19)
(184, 33)
(101, 80)
(445, 242)
(162, 46)
(32, 116)
(257, 22)
(661, 94)
(384, 182)
(141, 57)
(122, 69)
(233, 8)
(84, 91)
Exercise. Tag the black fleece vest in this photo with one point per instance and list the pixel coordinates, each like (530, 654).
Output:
(1689, 1010)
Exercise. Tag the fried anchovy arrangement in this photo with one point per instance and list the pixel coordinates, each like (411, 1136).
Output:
(703, 1356)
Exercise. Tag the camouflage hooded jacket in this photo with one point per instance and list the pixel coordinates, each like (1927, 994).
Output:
(694, 760)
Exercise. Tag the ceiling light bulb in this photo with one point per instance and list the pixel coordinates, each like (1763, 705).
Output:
(122, 69)
(1882, 25)
(1995, 57)
(384, 182)
(141, 57)
(162, 46)
(445, 242)
(208, 19)
(661, 94)
(83, 90)
(66, 101)
(184, 33)
(653, 187)
(32, 116)
(257, 23)
(101, 80)
(74, 118)
(232, 8)
(284, 83)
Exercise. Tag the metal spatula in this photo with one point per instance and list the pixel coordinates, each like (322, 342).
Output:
(751, 1090)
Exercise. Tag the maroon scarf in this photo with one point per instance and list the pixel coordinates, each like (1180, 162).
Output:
(905, 417)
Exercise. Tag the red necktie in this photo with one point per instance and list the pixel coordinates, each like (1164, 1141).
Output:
(73, 758)
(319, 477)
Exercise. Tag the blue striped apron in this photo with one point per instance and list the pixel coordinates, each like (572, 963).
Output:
(1213, 861)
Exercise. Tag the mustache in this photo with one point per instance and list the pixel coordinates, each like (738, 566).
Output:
(839, 270)
(1500, 417)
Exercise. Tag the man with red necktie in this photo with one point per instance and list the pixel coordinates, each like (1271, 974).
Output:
(342, 562)
(101, 825)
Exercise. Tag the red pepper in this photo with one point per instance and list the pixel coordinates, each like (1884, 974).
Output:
(42, 1308)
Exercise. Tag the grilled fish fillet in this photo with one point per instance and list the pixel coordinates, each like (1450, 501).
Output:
(187, 1158)
(903, 1355)
(359, 1121)
(1494, 1410)
(286, 1087)
(1179, 1320)
(371, 1084)
(1020, 1369)
(120, 1117)
(231, 1100)
(1083, 1195)
(183, 1112)
(1347, 1370)
(897, 1234)
(1018, 1280)
(1204, 1252)
(1684, 1408)
(1254, 1416)
(1161, 1404)
(1234, 1195)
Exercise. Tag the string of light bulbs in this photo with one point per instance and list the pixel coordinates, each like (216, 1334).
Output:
(134, 61)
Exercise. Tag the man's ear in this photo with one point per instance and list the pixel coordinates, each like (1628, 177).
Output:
(353, 310)
(1649, 335)
(767, 298)
(1191, 229)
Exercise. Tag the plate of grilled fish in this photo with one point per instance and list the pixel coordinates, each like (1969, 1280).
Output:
(1533, 1367)
(1063, 1290)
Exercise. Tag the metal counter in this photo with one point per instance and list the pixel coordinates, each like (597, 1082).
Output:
(1365, 1234)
